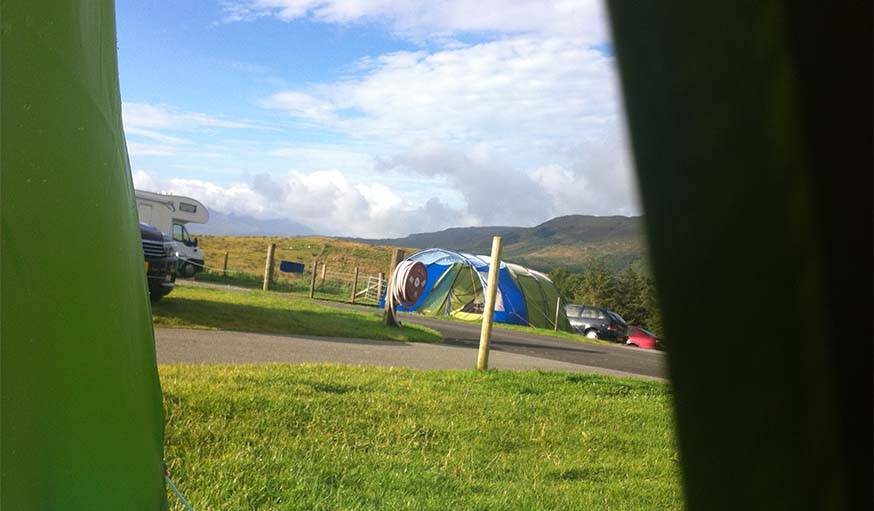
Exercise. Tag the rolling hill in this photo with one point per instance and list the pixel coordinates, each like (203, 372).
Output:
(567, 241)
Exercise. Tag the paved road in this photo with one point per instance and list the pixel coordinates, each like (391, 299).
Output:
(180, 346)
(457, 351)
(615, 357)
(612, 357)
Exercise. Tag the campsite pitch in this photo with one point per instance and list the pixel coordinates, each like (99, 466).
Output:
(344, 437)
(259, 312)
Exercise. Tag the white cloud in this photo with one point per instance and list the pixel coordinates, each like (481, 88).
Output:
(523, 128)
(593, 178)
(355, 162)
(138, 149)
(326, 201)
(493, 191)
(429, 18)
(143, 180)
(149, 116)
(301, 105)
(152, 130)
(155, 135)
(521, 93)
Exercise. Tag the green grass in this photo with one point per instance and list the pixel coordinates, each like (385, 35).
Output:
(333, 291)
(247, 254)
(274, 437)
(257, 311)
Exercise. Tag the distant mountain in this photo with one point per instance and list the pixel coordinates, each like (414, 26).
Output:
(567, 241)
(229, 224)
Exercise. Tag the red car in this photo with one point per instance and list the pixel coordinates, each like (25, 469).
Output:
(642, 338)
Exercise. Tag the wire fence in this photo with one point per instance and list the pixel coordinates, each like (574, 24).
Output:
(329, 283)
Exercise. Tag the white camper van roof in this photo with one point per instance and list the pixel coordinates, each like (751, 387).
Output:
(185, 209)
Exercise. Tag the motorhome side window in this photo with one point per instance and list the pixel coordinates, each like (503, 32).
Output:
(188, 208)
(180, 233)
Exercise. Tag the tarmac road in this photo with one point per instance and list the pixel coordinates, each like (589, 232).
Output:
(509, 350)
(182, 346)
(617, 357)
(614, 357)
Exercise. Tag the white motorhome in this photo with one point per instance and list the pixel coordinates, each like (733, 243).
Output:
(170, 213)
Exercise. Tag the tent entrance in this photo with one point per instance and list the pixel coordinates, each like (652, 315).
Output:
(458, 292)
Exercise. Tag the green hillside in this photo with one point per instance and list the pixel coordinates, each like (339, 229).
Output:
(567, 241)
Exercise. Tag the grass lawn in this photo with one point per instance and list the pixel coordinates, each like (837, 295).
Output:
(246, 257)
(298, 286)
(339, 437)
(256, 311)
(247, 253)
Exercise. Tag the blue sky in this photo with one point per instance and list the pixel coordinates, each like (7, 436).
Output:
(376, 118)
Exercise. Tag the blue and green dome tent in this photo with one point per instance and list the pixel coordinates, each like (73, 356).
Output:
(455, 288)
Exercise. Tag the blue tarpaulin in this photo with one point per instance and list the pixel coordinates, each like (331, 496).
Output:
(291, 267)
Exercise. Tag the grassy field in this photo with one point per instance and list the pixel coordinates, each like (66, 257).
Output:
(248, 253)
(256, 311)
(337, 291)
(274, 437)
(246, 257)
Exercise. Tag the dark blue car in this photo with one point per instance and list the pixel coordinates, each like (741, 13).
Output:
(597, 322)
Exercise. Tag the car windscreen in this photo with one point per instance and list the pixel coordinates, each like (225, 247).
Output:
(616, 317)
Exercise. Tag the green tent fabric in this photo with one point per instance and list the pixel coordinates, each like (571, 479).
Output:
(82, 420)
(541, 297)
(455, 287)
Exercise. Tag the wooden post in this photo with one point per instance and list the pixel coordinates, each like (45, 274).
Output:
(313, 278)
(268, 266)
(557, 306)
(225, 266)
(324, 271)
(354, 285)
(388, 317)
(482, 361)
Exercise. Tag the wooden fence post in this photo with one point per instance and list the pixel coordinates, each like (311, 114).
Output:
(324, 272)
(482, 361)
(268, 266)
(313, 278)
(557, 306)
(225, 266)
(354, 285)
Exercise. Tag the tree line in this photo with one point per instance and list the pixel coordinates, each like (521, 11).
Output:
(631, 293)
